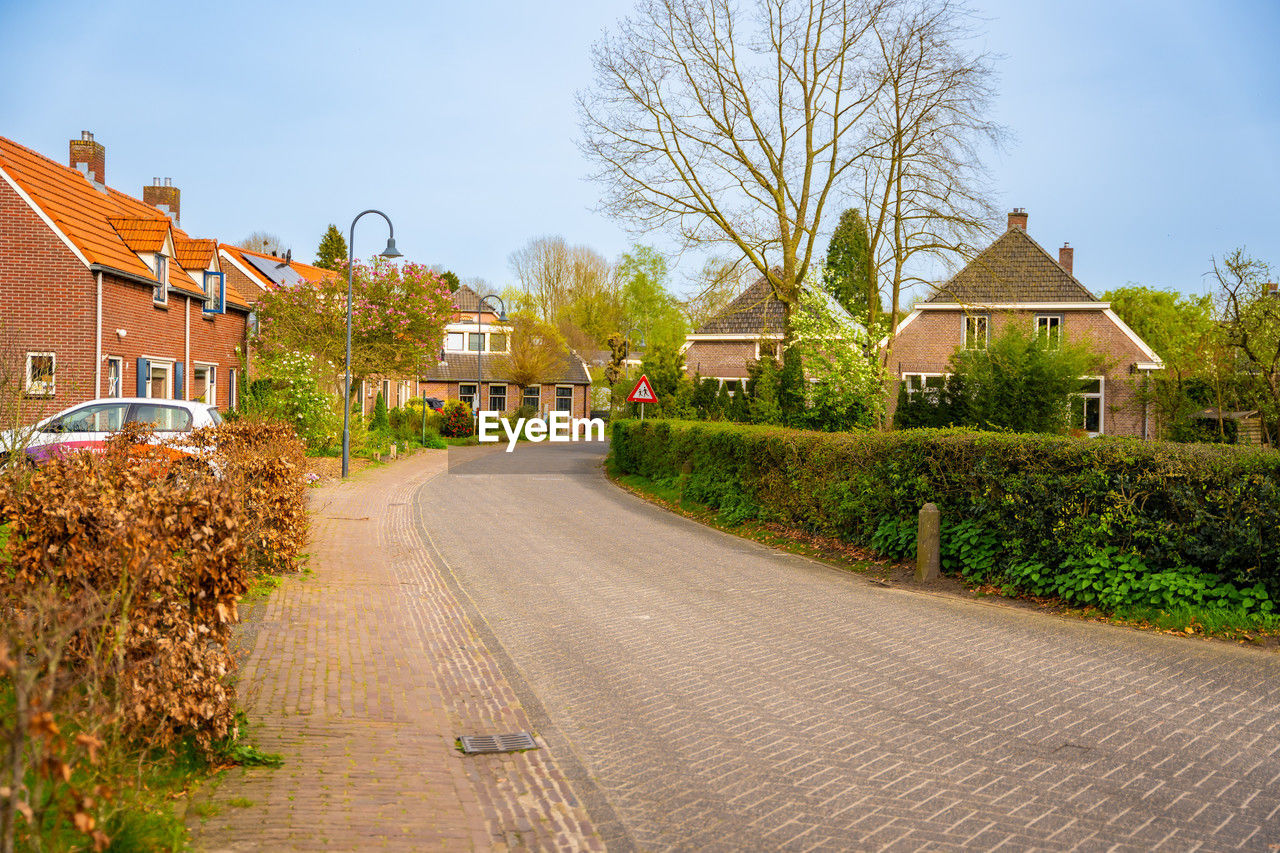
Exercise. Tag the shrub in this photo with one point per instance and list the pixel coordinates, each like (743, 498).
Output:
(1184, 519)
(456, 420)
(287, 389)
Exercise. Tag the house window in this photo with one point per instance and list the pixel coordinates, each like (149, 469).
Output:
(564, 398)
(233, 391)
(159, 380)
(1050, 326)
(475, 342)
(976, 331)
(931, 383)
(406, 392)
(1086, 407)
(532, 396)
(115, 376)
(497, 398)
(213, 293)
(386, 393)
(162, 280)
(497, 342)
(204, 383)
(467, 394)
(41, 370)
(453, 342)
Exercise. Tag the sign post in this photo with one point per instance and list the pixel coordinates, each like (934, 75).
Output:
(642, 393)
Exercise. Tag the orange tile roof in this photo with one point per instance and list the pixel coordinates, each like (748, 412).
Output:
(237, 254)
(195, 254)
(108, 227)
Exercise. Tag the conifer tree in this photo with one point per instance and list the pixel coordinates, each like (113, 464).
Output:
(849, 274)
(333, 249)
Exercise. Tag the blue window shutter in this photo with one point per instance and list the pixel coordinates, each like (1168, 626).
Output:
(178, 375)
(143, 367)
(222, 293)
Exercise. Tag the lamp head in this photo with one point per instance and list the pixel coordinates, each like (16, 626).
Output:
(391, 251)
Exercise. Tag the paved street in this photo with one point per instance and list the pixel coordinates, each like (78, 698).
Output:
(707, 693)
(361, 676)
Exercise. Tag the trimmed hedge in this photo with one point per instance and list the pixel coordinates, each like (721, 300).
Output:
(1038, 512)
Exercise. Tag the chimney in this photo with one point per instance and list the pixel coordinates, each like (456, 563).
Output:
(1018, 218)
(166, 198)
(91, 158)
(1066, 257)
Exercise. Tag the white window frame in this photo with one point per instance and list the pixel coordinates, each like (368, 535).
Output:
(211, 381)
(115, 363)
(986, 328)
(32, 388)
(469, 399)
(386, 393)
(906, 381)
(489, 342)
(1052, 330)
(233, 390)
(161, 294)
(461, 342)
(503, 386)
(557, 399)
(169, 366)
(524, 396)
(1101, 396)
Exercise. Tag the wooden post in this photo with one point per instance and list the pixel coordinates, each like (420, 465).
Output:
(928, 536)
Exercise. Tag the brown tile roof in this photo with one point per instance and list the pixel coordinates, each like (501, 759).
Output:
(84, 214)
(461, 367)
(465, 299)
(756, 312)
(1014, 268)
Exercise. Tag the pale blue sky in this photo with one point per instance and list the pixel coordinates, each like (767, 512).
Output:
(1146, 133)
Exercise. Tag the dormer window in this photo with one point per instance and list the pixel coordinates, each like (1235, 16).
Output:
(161, 296)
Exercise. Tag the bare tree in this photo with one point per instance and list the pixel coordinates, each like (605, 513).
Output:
(733, 126)
(714, 286)
(923, 185)
(265, 242)
(544, 269)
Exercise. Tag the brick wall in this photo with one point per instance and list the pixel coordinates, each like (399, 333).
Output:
(721, 359)
(926, 346)
(47, 304)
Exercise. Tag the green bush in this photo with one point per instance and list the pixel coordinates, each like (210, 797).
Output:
(1093, 521)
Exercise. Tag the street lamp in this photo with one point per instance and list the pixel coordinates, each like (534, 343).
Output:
(390, 252)
(502, 318)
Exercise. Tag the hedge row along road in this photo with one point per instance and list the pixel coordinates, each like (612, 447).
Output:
(709, 693)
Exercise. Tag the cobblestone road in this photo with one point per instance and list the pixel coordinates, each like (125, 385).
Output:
(362, 676)
(722, 696)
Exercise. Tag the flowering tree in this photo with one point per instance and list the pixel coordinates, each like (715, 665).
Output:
(846, 386)
(398, 314)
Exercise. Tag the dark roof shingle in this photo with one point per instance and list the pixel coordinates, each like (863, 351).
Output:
(756, 312)
(1014, 268)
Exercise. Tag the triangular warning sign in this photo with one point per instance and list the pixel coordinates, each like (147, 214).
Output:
(643, 392)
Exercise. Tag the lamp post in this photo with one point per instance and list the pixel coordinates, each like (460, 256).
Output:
(389, 252)
(502, 318)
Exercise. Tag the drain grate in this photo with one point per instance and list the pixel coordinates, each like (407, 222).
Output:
(497, 743)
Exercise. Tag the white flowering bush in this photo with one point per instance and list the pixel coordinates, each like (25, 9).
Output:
(846, 384)
(287, 388)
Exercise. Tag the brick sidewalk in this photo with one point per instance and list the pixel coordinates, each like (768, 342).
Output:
(362, 676)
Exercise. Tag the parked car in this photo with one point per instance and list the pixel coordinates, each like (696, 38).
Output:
(435, 403)
(87, 426)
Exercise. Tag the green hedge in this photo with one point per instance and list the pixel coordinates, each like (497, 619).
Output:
(1044, 513)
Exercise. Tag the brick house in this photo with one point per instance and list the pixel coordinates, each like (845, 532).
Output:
(103, 294)
(725, 347)
(456, 376)
(1015, 281)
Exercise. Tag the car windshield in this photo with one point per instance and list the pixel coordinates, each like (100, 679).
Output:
(101, 417)
(162, 418)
